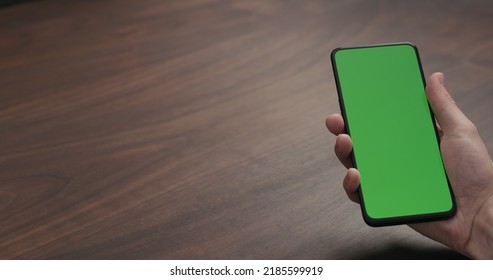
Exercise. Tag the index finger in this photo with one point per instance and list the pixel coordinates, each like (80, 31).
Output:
(335, 124)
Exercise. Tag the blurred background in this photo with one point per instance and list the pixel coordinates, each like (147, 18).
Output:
(195, 129)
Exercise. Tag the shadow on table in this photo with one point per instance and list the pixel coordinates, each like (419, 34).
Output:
(403, 252)
(5, 3)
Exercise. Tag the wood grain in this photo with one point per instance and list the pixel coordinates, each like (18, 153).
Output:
(195, 129)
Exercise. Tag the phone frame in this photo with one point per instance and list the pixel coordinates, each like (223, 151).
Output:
(401, 219)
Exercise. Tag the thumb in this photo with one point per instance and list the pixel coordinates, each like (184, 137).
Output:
(448, 115)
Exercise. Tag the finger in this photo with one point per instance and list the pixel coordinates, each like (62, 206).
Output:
(447, 113)
(351, 183)
(335, 124)
(343, 148)
(439, 129)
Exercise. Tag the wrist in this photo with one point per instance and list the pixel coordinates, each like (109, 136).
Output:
(480, 245)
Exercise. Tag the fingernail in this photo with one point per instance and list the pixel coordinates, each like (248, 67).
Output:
(441, 79)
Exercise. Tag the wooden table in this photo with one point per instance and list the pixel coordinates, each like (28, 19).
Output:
(195, 129)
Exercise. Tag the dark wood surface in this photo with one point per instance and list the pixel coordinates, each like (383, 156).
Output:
(195, 129)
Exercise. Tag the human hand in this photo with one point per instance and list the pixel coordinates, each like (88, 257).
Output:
(469, 169)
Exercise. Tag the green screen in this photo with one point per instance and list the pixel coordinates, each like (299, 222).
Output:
(394, 140)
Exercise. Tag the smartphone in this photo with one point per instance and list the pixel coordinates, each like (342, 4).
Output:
(396, 146)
